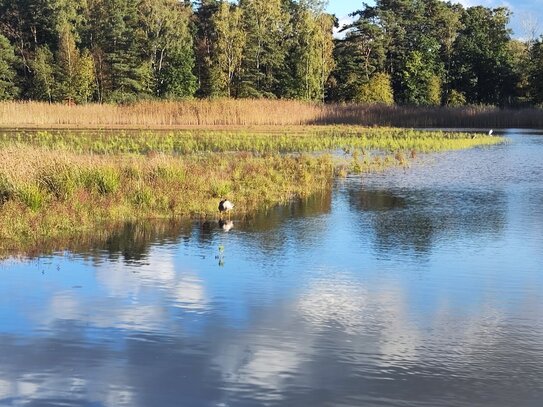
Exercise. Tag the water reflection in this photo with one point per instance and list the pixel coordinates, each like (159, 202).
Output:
(392, 290)
(226, 225)
(420, 221)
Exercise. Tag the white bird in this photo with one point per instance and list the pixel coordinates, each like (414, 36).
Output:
(225, 206)
(490, 132)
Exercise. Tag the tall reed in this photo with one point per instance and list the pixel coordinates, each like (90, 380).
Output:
(261, 112)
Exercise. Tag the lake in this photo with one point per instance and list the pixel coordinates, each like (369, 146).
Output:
(414, 287)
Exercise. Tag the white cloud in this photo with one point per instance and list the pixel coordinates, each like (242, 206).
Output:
(342, 22)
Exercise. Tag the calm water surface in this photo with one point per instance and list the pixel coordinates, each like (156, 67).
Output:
(421, 287)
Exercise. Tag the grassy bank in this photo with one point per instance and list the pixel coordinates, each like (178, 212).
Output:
(45, 193)
(213, 113)
(55, 184)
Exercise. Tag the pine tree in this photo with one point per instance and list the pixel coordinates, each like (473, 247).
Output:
(8, 88)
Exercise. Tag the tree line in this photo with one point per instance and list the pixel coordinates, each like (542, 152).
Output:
(416, 52)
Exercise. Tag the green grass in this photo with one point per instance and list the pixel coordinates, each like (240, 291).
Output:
(61, 184)
(197, 141)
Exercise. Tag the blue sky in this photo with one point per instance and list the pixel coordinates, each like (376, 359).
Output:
(528, 14)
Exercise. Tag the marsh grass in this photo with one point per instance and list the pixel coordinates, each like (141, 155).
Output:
(227, 112)
(304, 139)
(39, 202)
(55, 184)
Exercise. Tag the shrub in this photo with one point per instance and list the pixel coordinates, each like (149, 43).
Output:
(456, 99)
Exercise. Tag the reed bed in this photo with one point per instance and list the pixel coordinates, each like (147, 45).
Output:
(223, 112)
(468, 117)
(261, 112)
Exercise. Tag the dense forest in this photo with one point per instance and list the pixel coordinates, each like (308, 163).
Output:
(412, 52)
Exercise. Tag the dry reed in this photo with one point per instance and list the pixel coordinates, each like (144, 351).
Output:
(228, 112)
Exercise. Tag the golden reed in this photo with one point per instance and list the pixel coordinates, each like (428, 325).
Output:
(261, 112)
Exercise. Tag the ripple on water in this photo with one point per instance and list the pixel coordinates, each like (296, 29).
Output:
(414, 287)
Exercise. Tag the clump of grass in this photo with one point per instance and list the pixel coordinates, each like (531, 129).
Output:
(104, 180)
(31, 196)
(167, 172)
(220, 189)
(7, 189)
(59, 181)
(142, 197)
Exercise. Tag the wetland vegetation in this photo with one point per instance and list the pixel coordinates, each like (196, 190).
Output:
(57, 183)
(220, 113)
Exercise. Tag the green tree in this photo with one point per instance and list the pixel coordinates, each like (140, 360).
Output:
(84, 82)
(480, 68)
(230, 44)
(177, 80)
(536, 72)
(8, 88)
(392, 35)
(43, 69)
(422, 86)
(312, 53)
(117, 42)
(358, 56)
(378, 90)
(267, 24)
(67, 62)
(168, 45)
(204, 45)
(518, 53)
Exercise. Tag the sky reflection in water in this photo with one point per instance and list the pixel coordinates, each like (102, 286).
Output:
(410, 288)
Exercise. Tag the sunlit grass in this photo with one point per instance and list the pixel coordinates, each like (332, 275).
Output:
(55, 184)
(306, 139)
(45, 193)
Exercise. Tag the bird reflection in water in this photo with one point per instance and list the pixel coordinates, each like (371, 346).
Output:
(226, 225)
